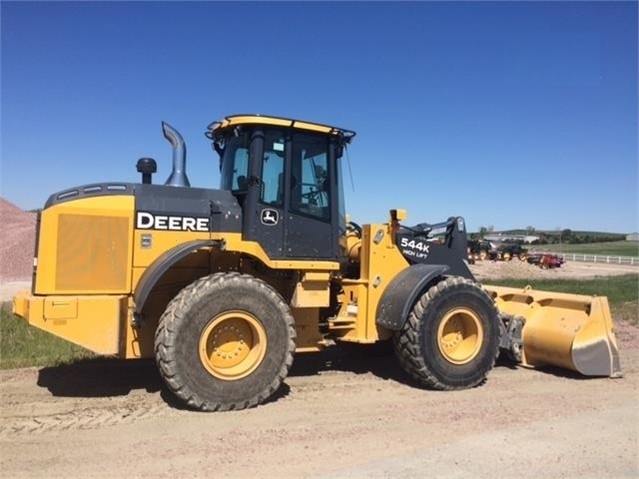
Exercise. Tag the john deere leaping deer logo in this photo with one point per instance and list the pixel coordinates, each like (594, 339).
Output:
(270, 217)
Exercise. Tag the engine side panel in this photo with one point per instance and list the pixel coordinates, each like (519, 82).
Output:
(84, 246)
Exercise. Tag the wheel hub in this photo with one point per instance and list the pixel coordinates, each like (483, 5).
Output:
(460, 335)
(232, 345)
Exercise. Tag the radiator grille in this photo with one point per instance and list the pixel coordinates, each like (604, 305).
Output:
(92, 253)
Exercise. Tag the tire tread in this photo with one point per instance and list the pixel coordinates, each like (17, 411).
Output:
(407, 341)
(167, 336)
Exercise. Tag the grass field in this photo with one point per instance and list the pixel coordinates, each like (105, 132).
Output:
(613, 248)
(22, 345)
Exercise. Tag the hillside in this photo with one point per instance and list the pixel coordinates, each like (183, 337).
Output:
(18, 242)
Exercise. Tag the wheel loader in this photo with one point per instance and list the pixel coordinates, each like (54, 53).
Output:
(224, 286)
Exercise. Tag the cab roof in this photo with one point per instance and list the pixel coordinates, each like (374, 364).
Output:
(254, 119)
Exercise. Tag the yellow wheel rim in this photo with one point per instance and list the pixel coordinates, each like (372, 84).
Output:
(460, 336)
(232, 345)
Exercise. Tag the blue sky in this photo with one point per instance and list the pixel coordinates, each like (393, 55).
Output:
(511, 114)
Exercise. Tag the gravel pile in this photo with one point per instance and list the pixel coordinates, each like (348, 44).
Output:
(511, 269)
(516, 269)
(18, 242)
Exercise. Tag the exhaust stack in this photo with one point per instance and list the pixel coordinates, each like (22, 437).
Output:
(178, 174)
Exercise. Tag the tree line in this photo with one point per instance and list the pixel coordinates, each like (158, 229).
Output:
(560, 236)
(568, 236)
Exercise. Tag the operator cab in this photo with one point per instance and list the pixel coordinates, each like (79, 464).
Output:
(285, 175)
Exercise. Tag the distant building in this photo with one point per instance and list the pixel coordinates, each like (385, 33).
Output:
(632, 237)
(504, 238)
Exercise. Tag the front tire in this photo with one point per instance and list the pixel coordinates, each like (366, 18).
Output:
(225, 342)
(451, 337)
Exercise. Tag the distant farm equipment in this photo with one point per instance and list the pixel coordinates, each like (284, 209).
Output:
(508, 251)
(484, 249)
(479, 250)
(546, 260)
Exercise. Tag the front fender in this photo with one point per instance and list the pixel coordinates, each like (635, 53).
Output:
(399, 297)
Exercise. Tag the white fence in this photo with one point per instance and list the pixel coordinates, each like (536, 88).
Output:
(598, 258)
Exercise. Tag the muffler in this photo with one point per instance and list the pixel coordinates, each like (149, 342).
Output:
(178, 174)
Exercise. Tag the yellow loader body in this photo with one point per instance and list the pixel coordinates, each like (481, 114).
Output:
(223, 286)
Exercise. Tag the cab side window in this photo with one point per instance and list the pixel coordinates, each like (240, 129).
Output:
(272, 181)
(235, 164)
(310, 194)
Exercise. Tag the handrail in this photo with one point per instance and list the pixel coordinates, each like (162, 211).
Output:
(595, 258)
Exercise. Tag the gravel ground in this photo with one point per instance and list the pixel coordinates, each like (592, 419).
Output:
(337, 416)
(517, 269)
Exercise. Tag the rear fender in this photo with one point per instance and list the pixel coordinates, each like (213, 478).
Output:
(160, 266)
(400, 295)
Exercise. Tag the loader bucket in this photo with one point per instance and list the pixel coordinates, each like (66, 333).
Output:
(565, 330)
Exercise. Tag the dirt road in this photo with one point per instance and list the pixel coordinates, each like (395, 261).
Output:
(484, 270)
(338, 415)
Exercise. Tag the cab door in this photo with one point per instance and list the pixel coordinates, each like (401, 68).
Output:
(309, 229)
(291, 200)
(265, 219)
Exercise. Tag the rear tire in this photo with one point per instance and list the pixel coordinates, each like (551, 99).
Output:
(225, 342)
(451, 337)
